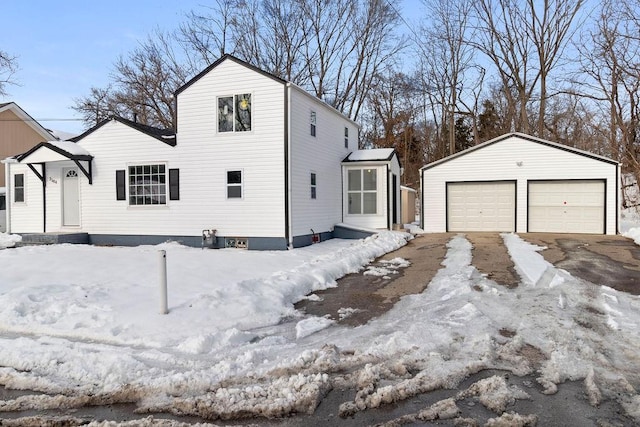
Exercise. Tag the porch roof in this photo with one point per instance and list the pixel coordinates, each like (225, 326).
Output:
(55, 151)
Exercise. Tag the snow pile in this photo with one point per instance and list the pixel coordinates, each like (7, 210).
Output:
(81, 322)
(9, 240)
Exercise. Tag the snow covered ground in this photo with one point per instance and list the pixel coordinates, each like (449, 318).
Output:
(82, 324)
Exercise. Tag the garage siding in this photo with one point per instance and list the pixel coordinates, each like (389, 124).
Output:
(521, 159)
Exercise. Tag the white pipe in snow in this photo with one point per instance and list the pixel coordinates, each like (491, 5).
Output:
(164, 308)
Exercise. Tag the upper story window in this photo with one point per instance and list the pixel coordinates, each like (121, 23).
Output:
(346, 137)
(234, 184)
(312, 122)
(234, 113)
(147, 185)
(18, 187)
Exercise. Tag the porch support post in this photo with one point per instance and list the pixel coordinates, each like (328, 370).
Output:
(41, 177)
(44, 198)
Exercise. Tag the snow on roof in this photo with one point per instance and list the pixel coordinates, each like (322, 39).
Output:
(373, 154)
(70, 147)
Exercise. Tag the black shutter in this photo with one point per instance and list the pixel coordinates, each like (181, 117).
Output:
(121, 190)
(174, 184)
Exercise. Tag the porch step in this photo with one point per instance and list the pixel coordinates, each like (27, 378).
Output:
(54, 238)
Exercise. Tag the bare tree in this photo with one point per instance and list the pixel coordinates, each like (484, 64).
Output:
(550, 29)
(8, 68)
(447, 60)
(143, 83)
(209, 34)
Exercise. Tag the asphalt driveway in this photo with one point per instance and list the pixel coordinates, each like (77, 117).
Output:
(612, 261)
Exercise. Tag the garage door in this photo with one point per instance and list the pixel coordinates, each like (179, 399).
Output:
(481, 206)
(566, 206)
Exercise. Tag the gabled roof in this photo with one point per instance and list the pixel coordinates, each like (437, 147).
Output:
(227, 57)
(371, 155)
(67, 149)
(525, 137)
(30, 121)
(168, 136)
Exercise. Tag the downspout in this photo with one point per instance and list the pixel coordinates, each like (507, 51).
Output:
(288, 232)
(44, 198)
(421, 204)
(389, 195)
(618, 187)
(8, 198)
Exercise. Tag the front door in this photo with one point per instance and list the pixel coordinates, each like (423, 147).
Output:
(70, 198)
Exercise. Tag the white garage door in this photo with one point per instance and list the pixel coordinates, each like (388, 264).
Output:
(481, 206)
(566, 206)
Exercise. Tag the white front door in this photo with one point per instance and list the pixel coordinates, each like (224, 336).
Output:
(70, 198)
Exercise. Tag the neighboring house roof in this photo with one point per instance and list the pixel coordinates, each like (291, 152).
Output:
(67, 149)
(221, 60)
(525, 137)
(30, 121)
(371, 155)
(168, 136)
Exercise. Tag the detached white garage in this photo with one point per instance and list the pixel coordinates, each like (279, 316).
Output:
(519, 183)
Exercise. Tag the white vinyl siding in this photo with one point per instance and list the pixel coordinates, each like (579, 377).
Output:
(481, 206)
(205, 155)
(567, 206)
(321, 154)
(519, 159)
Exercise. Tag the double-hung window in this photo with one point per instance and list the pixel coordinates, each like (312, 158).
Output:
(234, 184)
(313, 185)
(18, 187)
(362, 191)
(312, 123)
(147, 185)
(346, 137)
(234, 113)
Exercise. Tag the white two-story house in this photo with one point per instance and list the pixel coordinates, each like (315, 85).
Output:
(254, 161)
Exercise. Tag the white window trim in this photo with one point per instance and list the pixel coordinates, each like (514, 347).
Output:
(241, 185)
(313, 123)
(312, 186)
(346, 137)
(234, 131)
(24, 189)
(166, 185)
(362, 191)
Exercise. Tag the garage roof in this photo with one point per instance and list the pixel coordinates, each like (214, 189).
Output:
(521, 136)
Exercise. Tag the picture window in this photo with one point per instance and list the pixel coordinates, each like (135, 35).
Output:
(147, 185)
(362, 191)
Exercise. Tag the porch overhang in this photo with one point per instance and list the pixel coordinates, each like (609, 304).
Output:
(57, 151)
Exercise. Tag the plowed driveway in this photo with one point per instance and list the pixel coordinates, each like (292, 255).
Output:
(612, 261)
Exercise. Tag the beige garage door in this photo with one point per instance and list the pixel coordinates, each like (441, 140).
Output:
(566, 206)
(481, 206)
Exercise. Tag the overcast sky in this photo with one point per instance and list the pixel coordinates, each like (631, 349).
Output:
(65, 47)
